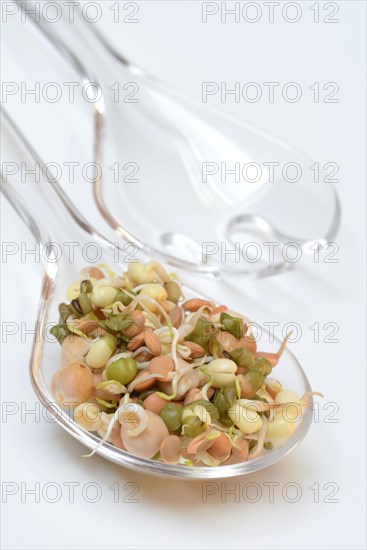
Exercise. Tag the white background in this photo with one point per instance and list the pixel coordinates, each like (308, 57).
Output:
(171, 41)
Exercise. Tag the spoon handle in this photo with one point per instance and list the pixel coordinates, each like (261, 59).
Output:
(48, 212)
(72, 36)
(43, 205)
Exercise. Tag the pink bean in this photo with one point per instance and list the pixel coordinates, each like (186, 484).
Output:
(154, 403)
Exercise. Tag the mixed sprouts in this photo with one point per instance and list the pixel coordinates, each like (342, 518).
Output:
(164, 378)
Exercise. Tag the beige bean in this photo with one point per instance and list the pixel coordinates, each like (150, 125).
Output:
(240, 448)
(73, 384)
(86, 325)
(195, 304)
(140, 273)
(146, 384)
(273, 387)
(176, 315)
(73, 349)
(103, 295)
(148, 443)
(152, 342)
(116, 437)
(154, 403)
(162, 365)
(100, 351)
(136, 342)
(245, 418)
(193, 395)
(171, 449)
(88, 416)
(280, 428)
(137, 326)
(223, 371)
(154, 291)
(174, 291)
(143, 356)
(196, 349)
(200, 443)
(221, 448)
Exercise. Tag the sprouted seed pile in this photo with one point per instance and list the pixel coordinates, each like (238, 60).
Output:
(164, 378)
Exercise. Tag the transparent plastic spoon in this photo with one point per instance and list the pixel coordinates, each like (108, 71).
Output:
(64, 224)
(167, 138)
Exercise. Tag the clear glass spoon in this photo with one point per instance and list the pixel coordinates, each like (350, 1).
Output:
(61, 225)
(174, 206)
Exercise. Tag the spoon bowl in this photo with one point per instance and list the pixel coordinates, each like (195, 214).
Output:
(187, 183)
(64, 224)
